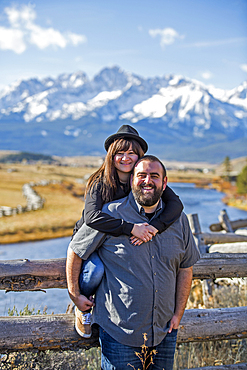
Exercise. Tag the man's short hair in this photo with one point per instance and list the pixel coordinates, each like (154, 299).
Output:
(150, 158)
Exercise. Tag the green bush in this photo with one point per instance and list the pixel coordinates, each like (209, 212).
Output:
(242, 181)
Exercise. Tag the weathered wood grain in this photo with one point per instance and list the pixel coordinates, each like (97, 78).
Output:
(213, 324)
(35, 267)
(22, 275)
(43, 332)
(219, 265)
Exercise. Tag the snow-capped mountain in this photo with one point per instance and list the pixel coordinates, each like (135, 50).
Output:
(177, 116)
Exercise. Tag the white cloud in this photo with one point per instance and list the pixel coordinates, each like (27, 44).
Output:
(244, 67)
(207, 75)
(75, 38)
(12, 39)
(43, 38)
(23, 32)
(168, 35)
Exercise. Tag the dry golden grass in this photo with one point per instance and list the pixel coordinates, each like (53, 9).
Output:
(63, 205)
(199, 178)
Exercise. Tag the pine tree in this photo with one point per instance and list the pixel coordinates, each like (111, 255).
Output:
(227, 168)
(242, 181)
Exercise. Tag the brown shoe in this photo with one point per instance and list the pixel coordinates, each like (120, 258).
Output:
(83, 323)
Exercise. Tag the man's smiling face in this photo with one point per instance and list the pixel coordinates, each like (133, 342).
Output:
(148, 182)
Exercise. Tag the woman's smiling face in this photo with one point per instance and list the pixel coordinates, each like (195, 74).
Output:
(124, 160)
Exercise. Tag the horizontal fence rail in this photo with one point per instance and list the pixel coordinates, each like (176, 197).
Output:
(219, 238)
(42, 332)
(237, 224)
(220, 265)
(23, 274)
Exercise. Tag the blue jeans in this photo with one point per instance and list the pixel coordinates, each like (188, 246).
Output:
(91, 274)
(117, 356)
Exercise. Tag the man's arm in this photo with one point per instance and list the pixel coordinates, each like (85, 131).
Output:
(83, 244)
(73, 269)
(183, 286)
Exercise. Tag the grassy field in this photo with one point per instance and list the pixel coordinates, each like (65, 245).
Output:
(63, 201)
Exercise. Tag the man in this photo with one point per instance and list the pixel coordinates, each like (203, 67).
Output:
(145, 287)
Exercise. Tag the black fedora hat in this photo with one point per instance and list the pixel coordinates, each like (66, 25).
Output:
(126, 132)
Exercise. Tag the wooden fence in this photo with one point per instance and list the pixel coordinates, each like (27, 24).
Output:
(41, 332)
(203, 240)
(226, 224)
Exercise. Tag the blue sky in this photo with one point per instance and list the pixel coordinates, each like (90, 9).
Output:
(200, 39)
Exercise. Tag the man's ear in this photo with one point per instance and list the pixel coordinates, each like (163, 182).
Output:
(164, 183)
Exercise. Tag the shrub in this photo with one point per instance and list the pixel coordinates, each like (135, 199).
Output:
(242, 181)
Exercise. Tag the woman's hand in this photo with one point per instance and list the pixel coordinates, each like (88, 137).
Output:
(142, 233)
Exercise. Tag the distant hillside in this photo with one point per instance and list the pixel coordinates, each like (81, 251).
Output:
(24, 156)
(236, 166)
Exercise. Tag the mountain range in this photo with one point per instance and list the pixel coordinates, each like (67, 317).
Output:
(70, 115)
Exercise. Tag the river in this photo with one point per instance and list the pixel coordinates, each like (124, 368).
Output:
(205, 202)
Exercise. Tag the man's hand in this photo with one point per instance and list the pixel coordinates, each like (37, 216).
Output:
(184, 280)
(83, 303)
(174, 323)
(73, 268)
(142, 233)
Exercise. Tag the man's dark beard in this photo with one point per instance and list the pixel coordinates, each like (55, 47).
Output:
(147, 200)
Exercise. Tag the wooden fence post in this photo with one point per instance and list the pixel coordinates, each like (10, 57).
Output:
(196, 230)
(225, 221)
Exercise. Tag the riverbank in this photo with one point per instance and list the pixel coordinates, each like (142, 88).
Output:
(231, 198)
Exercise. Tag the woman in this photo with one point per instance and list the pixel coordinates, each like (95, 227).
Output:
(111, 182)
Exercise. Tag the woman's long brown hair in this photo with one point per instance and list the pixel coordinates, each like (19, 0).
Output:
(107, 173)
